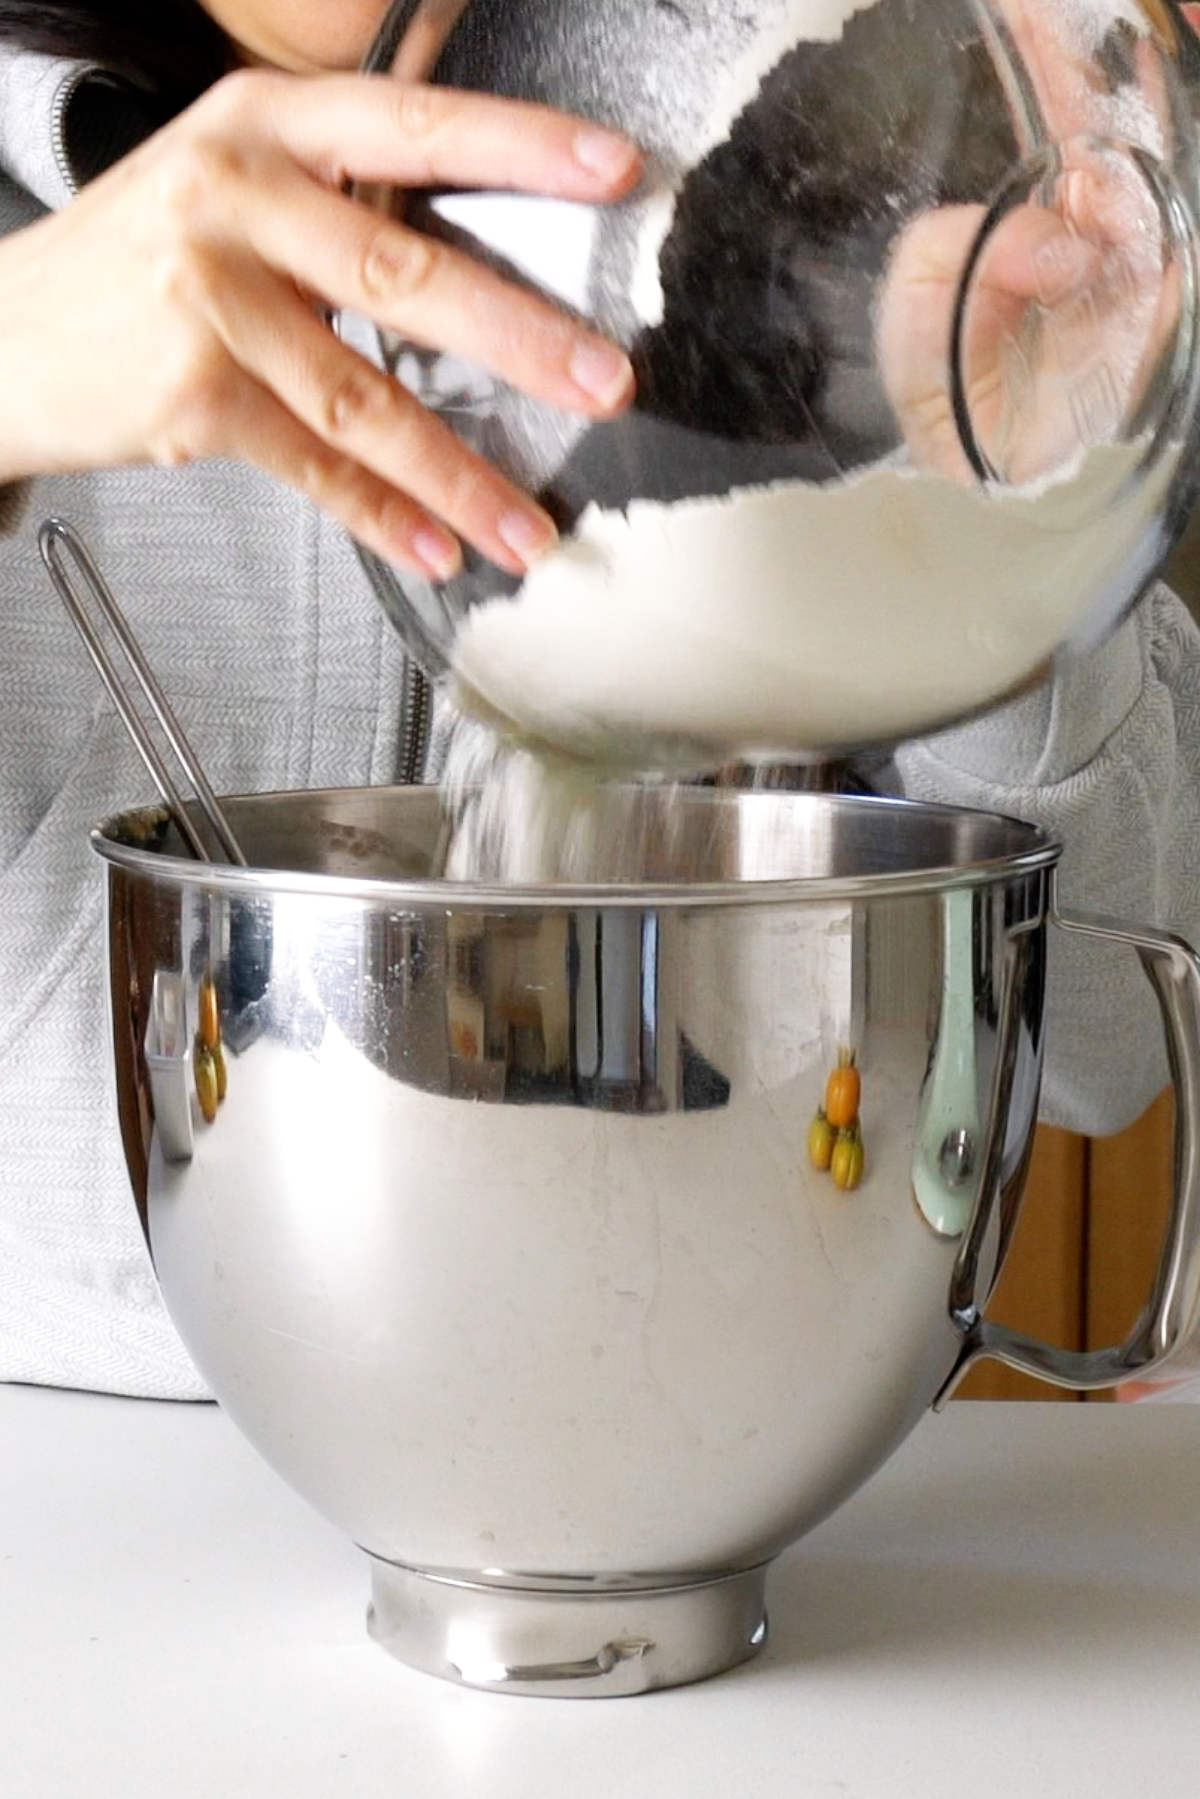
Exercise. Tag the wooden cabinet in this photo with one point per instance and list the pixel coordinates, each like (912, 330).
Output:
(1086, 1245)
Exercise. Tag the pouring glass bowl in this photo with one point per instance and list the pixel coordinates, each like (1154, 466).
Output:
(911, 297)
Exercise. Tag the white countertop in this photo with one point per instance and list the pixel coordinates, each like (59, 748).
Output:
(1012, 1608)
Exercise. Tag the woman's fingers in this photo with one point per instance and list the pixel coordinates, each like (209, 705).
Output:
(913, 330)
(375, 128)
(1059, 333)
(264, 218)
(1030, 256)
(196, 251)
(372, 420)
(430, 293)
(263, 431)
(1036, 255)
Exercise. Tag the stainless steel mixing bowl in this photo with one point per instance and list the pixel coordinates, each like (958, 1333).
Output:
(504, 1245)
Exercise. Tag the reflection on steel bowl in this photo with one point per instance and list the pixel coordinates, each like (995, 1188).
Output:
(506, 1246)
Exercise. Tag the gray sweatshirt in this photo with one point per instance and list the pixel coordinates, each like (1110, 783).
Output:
(254, 612)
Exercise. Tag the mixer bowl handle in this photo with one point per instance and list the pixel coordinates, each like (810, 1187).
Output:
(1170, 1321)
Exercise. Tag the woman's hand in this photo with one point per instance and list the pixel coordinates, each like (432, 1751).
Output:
(1076, 296)
(1036, 268)
(1072, 310)
(168, 313)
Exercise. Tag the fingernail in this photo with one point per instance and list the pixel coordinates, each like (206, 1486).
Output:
(605, 153)
(440, 553)
(601, 371)
(1064, 263)
(529, 535)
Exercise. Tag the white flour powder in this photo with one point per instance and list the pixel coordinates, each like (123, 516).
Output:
(797, 22)
(797, 618)
(779, 28)
(522, 818)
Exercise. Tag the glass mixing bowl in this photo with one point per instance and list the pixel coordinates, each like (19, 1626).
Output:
(910, 290)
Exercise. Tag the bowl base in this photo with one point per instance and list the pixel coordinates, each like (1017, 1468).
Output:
(584, 1642)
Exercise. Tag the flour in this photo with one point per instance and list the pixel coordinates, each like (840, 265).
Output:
(801, 618)
(521, 817)
(779, 28)
(799, 22)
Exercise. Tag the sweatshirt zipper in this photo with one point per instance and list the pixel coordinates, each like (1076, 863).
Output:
(416, 719)
(67, 90)
(416, 692)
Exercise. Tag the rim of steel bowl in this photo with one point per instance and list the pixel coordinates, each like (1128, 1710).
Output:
(1030, 850)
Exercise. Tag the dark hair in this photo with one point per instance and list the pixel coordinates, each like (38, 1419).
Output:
(170, 47)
